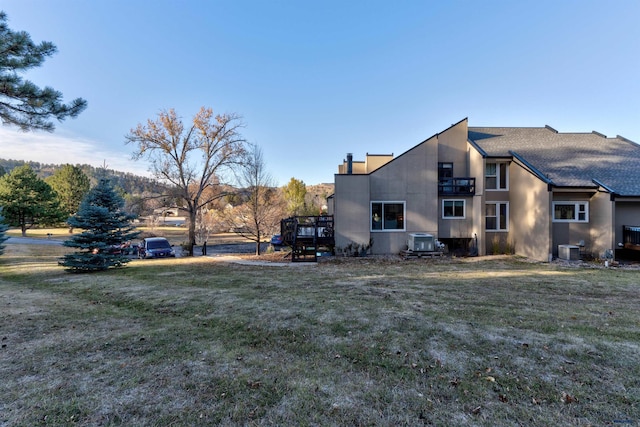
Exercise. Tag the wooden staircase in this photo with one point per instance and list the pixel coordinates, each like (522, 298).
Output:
(307, 236)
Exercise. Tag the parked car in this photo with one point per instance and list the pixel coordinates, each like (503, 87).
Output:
(277, 241)
(155, 247)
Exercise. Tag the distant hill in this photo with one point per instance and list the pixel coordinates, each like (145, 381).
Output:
(131, 184)
(321, 190)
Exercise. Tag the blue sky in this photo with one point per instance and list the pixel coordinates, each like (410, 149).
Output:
(314, 80)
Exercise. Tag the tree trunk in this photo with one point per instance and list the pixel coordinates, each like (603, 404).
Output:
(192, 231)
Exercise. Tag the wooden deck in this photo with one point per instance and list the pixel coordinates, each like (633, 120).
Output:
(307, 236)
(631, 237)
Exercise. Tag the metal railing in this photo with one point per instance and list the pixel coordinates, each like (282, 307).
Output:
(457, 187)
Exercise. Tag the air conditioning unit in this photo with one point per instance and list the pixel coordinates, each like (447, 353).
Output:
(569, 252)
(421, 242)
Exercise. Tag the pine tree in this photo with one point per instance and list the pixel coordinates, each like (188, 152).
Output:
(28, 201)
(3, 228)
(106, 226)
(22, 103)
(71, 184)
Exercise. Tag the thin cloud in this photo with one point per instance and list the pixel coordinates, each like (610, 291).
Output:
(58, 148)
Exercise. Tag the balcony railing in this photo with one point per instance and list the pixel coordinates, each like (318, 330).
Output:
(457, 187)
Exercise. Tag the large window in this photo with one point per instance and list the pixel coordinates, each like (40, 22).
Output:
(387, 216)
(495, 177)
(497, 216)
(453, 209)
(571, 211)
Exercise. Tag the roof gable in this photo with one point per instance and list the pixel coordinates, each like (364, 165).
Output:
(567, 159)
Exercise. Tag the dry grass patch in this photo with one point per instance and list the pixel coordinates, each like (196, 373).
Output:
(367, 342)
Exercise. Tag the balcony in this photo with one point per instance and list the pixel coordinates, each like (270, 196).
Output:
(457, 187)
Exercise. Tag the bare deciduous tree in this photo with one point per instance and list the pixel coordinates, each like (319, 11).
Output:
(194, 158)
(263, 208)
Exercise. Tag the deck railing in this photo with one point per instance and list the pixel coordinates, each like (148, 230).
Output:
(631, 237)
(464, 186)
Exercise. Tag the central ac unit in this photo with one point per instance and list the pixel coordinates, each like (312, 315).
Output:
(421, 242)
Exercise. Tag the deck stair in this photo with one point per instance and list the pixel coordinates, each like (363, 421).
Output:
(308, 236)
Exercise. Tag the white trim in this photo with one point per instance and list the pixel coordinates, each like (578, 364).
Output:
(388, 202)
(577, 211)
(497, 176)
(464, 209)
(497, 217)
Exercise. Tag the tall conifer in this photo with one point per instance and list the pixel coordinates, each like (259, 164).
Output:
(3, 228)
(106, 227)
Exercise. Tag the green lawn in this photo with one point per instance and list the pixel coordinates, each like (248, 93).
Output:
(358, 342)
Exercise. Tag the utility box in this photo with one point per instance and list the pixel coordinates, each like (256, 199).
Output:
(421, 242)
(569, 252)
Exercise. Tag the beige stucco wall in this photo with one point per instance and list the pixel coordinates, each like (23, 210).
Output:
(529, 214)
(411, 178)
(454, 148)
(476, 169)
(374, 161)
(371, 163)
(601, 232)
(351, 209)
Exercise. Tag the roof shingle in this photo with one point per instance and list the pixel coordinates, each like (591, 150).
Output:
(568, 159)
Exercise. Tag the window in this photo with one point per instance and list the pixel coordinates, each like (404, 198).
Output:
(387, 216)
(452, 209)
(571, 211)
(496, 176)
(497, 216)
(445, 171)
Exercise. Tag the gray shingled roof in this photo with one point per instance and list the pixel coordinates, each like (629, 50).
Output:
(568, 159)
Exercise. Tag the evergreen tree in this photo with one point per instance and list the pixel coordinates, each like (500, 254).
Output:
(71, 184)
(27, 200)
(3, 228)
(106, 227)
(294, 193)
(22, 103)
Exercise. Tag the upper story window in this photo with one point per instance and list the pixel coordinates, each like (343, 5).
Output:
(445, 171)
(387, 216)
(453, 209)
(496, 176)
(571, 211)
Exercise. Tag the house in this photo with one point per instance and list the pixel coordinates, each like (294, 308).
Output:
(489, 190)
(171, 215)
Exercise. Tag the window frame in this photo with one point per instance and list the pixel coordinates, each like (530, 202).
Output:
(576, 211)
(464, 209)
(383, 203)
(445, 168)
(497, 216)
(499, 176)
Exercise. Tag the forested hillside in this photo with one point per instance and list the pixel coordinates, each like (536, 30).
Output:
(130, 183)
